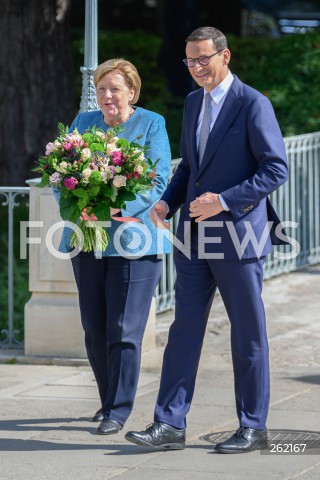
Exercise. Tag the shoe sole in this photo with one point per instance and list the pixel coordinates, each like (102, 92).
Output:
(164, 446)
(107, 433)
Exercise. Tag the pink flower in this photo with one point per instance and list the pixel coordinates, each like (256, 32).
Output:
(70, 183)
(119, 181)
(117, 158)
(49, 148)
(67, 145)
(55, 178)
(136, 174)
(112, 170)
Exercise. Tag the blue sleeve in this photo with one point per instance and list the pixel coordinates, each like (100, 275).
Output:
(176, 192)
(74, 124)
(56, 193)
(158, 142)
(268, 148)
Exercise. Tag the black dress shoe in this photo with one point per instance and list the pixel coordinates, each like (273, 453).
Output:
(98, 416)
(159, 436)
(108, 427)
(244, 440)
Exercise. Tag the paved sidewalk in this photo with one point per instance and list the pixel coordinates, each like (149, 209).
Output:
(45, 410)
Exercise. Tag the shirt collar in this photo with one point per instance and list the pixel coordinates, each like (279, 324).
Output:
(220, 90)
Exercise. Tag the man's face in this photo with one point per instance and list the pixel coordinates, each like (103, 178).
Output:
(208, 76)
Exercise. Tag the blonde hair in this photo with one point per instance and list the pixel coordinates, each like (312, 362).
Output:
(127, 70)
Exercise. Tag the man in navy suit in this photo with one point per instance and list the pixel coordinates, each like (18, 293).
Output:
(233, 157)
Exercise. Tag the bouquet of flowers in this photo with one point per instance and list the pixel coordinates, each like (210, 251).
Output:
(94, 171)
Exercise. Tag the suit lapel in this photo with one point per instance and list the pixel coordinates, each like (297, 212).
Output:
(228, 112)
(192, 116)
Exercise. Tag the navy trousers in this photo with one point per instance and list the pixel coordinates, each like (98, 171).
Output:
(115, 295)
(240, 286)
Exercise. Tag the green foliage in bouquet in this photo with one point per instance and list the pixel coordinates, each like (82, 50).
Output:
(94, 172)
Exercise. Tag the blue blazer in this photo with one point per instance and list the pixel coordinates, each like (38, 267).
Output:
(244, 161)
(134, 239)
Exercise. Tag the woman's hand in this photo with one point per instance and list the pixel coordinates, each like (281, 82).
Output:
(86, 217)
(114, 211)
(93, 217)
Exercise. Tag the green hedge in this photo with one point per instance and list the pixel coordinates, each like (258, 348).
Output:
(286, 70)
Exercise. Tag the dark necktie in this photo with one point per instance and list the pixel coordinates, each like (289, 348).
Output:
(205, 126)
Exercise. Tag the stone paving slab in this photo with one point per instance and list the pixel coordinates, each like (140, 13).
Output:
(45, 409)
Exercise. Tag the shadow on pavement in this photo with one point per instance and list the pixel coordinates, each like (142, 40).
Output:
(313, 379)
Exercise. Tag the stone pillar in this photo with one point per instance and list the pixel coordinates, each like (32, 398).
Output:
(52, 317)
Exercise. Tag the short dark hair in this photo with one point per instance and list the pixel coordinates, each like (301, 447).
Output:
(209, 33)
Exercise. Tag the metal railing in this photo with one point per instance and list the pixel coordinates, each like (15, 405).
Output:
(11, 195)
(297, 201)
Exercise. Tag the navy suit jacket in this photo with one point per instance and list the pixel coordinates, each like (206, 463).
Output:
(244, 161)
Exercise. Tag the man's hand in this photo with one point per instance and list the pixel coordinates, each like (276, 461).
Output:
(158, 214)
(206, 206)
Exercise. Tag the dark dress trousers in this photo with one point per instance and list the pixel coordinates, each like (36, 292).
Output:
(115, 298)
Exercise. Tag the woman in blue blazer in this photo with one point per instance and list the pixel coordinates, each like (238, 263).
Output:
(115, 291)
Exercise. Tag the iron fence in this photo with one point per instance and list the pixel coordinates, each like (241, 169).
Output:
(296, 201)
(9, 332)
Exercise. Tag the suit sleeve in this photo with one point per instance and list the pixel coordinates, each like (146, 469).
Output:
(176, 191)
(268, 149)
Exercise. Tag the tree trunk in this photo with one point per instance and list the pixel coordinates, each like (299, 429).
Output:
(36, 82)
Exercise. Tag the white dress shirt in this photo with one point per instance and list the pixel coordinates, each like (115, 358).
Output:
(218, 95)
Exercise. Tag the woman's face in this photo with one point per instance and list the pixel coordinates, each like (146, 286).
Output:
(114, 96)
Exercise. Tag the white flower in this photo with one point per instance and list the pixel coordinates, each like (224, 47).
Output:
(101, 135)
(138, 168)
(55, 178)
(74, 137)
(86, 174)
(119, 181)
(105, 176)
(86, 153)
(49, 148)
(62, 168)
(111, 147)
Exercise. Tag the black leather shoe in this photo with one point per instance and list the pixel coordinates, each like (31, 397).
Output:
(244, 440)
(108, 427)
(159, 436)
(98, 416)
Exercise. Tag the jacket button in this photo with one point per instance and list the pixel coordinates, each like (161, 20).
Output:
(197, 184)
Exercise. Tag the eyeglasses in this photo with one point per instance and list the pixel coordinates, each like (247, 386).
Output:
(203, 60)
